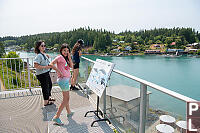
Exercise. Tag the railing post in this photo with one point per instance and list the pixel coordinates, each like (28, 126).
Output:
(104, 102)
(7, 75)
(86, 71)
(20, 73)
(86, 76)
(16, 72)
(143, 103)
(3, 76)
(29, 79)
(0, 86)
(11, 73)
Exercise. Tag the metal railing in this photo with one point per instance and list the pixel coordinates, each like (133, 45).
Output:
(19, 73)
(143, 94)
(16, 74)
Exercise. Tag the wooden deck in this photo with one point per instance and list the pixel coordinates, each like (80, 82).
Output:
(23, 112)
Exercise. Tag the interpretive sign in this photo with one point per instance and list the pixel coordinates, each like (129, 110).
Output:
(99, 76)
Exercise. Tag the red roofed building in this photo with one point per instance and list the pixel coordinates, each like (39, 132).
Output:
(173, 43)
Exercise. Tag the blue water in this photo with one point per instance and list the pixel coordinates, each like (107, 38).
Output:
(179, 74)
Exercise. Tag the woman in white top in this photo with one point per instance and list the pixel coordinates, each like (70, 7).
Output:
(41, 63)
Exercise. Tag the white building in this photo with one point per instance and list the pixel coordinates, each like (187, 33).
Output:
(128, 48)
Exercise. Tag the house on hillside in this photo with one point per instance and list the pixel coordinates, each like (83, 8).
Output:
(115, 50)
(135, 43)
(173, 43)
(128, 48)
(156, 46)
(192, 50)
(188, 45)
(195, 45)
(121, 41)
(152, 52)
(119, 48)
(173, 51)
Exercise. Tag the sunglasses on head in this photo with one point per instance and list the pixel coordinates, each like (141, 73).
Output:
(43, 45)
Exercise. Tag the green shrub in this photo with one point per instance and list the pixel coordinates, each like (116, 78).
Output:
(91, 51)
(198, 51)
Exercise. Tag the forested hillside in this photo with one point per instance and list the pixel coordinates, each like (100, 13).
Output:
(102, 40)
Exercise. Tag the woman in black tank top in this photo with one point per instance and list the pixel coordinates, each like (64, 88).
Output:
(76, 53)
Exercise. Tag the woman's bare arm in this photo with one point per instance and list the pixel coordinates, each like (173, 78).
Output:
(55, 68)
(70, 61)
(79, 52)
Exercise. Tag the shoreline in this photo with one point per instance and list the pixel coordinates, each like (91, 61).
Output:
(164, 55)
(127, 54)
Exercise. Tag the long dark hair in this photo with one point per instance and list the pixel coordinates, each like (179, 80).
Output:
(37, 45)
(76, 47)
(65, 45)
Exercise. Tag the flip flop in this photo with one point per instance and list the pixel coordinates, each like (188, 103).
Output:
(48, 103)
(52, 99)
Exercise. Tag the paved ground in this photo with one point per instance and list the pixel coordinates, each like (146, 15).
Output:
(23, 112)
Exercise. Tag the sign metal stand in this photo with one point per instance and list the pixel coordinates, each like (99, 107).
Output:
(96, 112)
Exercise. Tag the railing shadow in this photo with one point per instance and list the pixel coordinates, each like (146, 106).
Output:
(48, 109)
(72, 123)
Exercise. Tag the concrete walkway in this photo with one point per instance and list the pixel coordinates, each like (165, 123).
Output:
(23, 112)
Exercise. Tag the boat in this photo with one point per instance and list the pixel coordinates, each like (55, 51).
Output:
(171, 55)
(120, 54)
(104, 54)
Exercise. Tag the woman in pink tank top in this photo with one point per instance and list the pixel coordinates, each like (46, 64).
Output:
(64, 63)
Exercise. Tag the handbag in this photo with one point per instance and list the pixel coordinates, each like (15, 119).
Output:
(54, 77)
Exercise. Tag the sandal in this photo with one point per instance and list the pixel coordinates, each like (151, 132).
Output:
(58, 121)
(48, 103)
(52, 99)
(70, 115)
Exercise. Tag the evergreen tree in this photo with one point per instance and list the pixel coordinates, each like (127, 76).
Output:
(2, 50)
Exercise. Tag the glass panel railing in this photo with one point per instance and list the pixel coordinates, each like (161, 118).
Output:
(164, 109)
(84, 72)
(123, 103)
(125, 100)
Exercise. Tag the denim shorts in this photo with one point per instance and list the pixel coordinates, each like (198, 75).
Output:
(64, 83)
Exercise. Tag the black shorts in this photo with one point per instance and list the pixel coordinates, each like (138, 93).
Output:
(76, 65)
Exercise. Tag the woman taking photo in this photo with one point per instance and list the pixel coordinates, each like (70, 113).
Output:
(41, 63)
(76, 53)
(63, 62)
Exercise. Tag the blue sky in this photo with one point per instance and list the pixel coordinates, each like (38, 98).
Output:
(27, 17)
